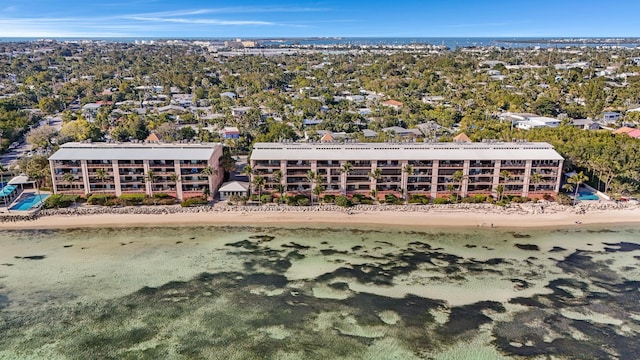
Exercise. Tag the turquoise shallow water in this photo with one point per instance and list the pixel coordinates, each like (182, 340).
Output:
(293, 293)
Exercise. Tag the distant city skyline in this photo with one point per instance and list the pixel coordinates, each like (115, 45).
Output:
(287, 18)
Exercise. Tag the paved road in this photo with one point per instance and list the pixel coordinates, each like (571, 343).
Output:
(11, 157)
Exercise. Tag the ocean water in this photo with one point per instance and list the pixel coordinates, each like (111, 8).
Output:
(450, 42)
(325, 292)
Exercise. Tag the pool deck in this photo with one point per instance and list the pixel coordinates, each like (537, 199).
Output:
(8, 211)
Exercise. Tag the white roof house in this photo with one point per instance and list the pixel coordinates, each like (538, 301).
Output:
(404, 151)
(133, 151)
(528, 121)
(537, 121)
(234, 186)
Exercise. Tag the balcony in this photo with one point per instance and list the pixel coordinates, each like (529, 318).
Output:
(301, 164)
(66, 166)
(267, 164)
(512, 164)
(389, 165)
(481, 165)
(451, 165)
(325, 164)
(416, 164)
(100, 166)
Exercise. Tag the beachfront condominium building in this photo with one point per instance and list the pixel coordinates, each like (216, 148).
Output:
(405, 169)
(180, 170)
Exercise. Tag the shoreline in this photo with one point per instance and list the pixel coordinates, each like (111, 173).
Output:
(422, 218)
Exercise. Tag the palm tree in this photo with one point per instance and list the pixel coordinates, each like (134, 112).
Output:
(101, 174)
(151, 178)
(175, 178)
(277, 178)
(346, 169)
(2, 170)
(506, 176)
(458, 176)
(374, 194)
(258, 182)
(319, 189)
(568, 187)
(451, 189)
(208, 171)
(376, 175)
(311, 177)
(500, 190)
(38, 176)
(577, 180)
(68, 178)
(248, 170)
(536, 179)
(408, 170)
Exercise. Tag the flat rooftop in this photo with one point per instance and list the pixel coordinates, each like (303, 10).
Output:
(135, 151)
(405, 151)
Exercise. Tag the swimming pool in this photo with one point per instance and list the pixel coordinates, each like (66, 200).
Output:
(29, 201)
(587, 195)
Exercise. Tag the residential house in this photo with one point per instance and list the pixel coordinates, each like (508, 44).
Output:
(400, 131)
(90, 111)
(230, 132)
(433, 167)
(137, 168)
(585, 124)
(238, 111)
(229, 94)
(528, 121)
(393, 104)
(609, 117)
(234, 188)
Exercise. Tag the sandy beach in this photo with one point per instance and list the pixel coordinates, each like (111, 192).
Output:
(431, 218)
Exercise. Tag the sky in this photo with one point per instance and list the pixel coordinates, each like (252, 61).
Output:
(331, 18)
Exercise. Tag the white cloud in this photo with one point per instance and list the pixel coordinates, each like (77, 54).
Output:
(143, 24)
(202, 21)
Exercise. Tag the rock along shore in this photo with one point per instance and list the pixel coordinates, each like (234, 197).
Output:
(522, 209)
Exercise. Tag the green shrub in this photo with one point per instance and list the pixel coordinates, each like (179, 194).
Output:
(266, 198)
(392, 199)
(440, 201)
(480, 198)
(475, 199)
(57, 201)
(162, 196)
(329, 199)
(132, 199)
(296, 200)
(343, 201)
(102, 199)
(564, 199)
(194, 201)
(419, 199)
(361, 199)
(167, 201)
